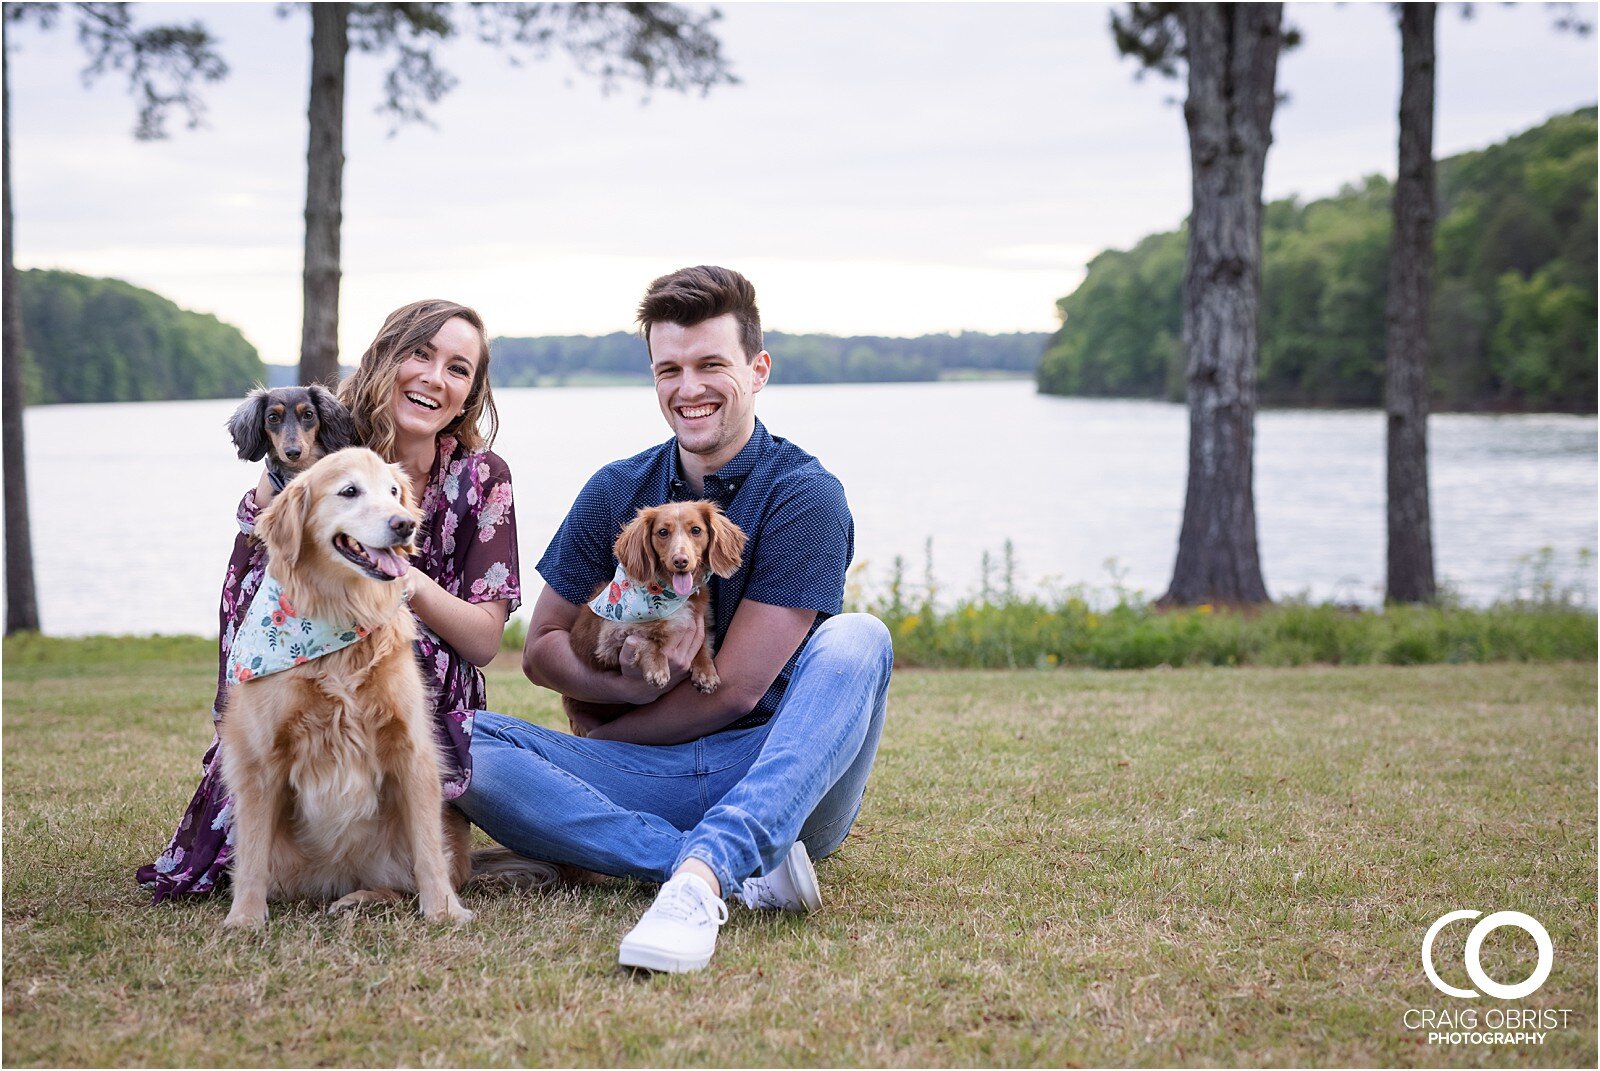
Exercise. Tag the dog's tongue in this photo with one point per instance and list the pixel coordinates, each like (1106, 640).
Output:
(388, 562)
(683, 583)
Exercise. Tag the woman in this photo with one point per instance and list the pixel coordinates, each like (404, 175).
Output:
(421, 398)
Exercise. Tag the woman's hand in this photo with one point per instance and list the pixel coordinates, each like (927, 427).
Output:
(474, 629)
(413, 580)
(265, 492)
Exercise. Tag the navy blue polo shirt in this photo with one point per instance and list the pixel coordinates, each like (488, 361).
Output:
(799, 535)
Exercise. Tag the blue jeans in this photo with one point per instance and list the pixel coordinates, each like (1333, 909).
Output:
(737, 801)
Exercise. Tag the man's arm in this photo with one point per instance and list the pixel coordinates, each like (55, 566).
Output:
(760, 640)
(548, 659)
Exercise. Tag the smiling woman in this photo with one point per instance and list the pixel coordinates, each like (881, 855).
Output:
(425, 375)
(421, 398)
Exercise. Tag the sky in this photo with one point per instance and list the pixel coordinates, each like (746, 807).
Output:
(893, 169)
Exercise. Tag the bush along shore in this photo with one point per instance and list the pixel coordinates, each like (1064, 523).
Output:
(999, 629)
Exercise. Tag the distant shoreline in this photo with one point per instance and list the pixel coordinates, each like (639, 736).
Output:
(956, 376)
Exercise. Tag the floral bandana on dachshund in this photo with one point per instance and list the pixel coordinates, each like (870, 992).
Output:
(623, 600)
(273, 637)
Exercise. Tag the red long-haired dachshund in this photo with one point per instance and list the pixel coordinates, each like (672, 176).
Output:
(666, 556)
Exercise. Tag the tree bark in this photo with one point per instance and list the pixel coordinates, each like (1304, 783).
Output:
(1410, 558)
(319, 332)
(22, 604)
(1233, 61)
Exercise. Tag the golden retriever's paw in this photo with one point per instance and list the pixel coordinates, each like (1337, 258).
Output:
(452, 913)
(245, 920)
(363, 896)
(705, 682)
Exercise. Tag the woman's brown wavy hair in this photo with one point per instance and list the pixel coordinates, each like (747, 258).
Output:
(369, 391)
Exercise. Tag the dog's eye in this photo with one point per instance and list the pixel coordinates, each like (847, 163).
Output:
(694, 530)
(395, 491)
(661, 533)
(349, 490)
(273, 418)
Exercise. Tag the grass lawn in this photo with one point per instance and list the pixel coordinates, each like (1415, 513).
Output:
(1187, 867)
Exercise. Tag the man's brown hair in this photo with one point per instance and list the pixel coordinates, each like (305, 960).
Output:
(690, 296)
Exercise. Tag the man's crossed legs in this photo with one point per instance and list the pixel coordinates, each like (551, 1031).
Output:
(736, 801)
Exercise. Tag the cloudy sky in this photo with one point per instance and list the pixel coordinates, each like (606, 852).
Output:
(887, 169)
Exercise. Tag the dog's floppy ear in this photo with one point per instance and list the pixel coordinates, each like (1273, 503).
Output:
(336, 430)
(281, 526)
(727, 543)
(246, 426)
(408, 498)
(633, 548)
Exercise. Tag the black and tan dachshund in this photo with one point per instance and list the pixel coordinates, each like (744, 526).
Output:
(292, 427)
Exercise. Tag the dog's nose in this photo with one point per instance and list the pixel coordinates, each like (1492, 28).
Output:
(403, 527)
(680, 562)
(292, 453)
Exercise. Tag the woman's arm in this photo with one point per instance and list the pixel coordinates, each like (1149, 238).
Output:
(485, 565)
(265, 492)
(474, 629)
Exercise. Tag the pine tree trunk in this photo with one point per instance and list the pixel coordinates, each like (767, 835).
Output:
(1233, 61)
(22, 605)
(1410, 570)
(319, 333)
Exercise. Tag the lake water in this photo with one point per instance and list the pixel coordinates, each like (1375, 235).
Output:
(133, 503)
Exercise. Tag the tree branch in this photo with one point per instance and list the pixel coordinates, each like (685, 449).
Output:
(163, 63)
(658, 46)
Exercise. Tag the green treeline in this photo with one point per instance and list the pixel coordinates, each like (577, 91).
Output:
(104, 340)
(1514, 291)
(529, 362)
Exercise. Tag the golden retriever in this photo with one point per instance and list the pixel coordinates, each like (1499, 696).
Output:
(332, 763)
(678, 546)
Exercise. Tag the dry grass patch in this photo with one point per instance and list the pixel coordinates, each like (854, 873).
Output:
(1192, 867)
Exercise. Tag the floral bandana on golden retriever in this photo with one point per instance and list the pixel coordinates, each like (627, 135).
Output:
(273, 637)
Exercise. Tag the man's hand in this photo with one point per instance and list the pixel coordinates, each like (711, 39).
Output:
(760, 640)
(679, 654)
(584, 718)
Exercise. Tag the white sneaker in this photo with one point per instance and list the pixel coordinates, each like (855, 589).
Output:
(679, 932)
(791, 887)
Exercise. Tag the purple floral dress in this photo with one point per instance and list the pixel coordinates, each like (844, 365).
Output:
(468, 544)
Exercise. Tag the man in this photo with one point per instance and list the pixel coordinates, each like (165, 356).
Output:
(721, 794)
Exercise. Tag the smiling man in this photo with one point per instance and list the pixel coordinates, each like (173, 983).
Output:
(713, 795)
